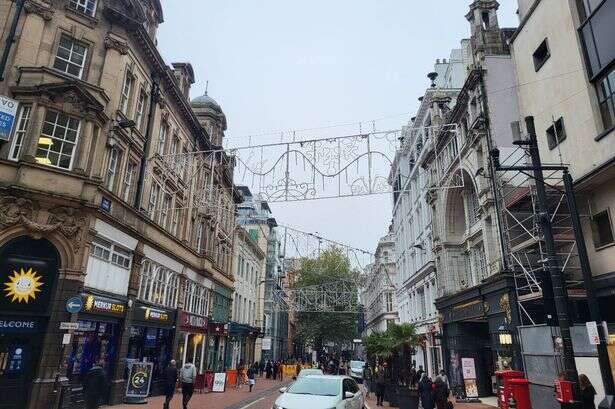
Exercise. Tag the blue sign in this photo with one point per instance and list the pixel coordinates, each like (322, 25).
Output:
(105, 204)
(74, 305)
(8, 111)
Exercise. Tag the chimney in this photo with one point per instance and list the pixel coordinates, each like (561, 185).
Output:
(184, 76)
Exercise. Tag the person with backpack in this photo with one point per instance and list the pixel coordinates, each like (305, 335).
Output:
(187, 376)
(95, 385)
(170, 381)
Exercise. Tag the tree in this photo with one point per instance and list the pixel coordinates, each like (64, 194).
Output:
(318, 328)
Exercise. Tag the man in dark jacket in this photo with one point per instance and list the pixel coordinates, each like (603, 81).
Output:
(170, 382)
(95, 385)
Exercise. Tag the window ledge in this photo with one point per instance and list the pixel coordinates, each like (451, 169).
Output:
(604, 246)
(605, 133)
(80, 17)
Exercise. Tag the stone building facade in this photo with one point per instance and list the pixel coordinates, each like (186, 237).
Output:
(416, 288)
(476, 296)
(100, 202)
(378, 294)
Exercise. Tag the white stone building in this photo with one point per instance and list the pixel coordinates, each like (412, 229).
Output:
(378, 296)
(415, 283)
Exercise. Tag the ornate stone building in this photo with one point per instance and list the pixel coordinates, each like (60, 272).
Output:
(475, 292)
(104, 202)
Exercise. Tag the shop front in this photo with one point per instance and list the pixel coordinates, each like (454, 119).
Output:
(97, 338)
(217, 346)
(473, 321)
(151, 336)
(192, 337)
(28, 273)
(241, 344)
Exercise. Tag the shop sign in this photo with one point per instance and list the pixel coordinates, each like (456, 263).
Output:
(150, 314)
(8, 110)
(26, 283)
(10, 325)
(69, 325)
(468, 370)
(217, 328)
(474, 309)
(592, 332)
(219, 382)
(139, 379)
(195, 322)
(266, 344)
(101, 305)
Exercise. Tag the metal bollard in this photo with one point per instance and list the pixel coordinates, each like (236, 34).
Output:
(512, 403)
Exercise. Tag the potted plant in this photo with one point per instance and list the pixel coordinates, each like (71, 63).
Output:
(405, 340)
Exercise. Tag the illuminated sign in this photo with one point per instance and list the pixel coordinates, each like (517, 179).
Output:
(102, 305)
(23, 286)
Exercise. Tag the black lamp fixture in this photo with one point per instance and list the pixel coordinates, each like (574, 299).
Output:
(432, 76)
(504, 335)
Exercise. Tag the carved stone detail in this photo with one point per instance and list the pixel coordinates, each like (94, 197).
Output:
(42, 9)
(68, 221)
(505, 306)
(115, 44)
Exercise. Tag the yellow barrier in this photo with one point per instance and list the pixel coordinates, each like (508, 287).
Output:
(291, 370)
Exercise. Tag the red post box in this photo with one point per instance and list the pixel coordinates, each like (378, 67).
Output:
(563, 391)
(504, 387)
(520, 389)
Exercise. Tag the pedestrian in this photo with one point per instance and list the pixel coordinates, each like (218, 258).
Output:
(95, 385)
(367, 379)
(419, 374)
(412, 376)
(251, 374)
(170, 382)
(444, 378)
(269, 369)
(441, 393)
(380, 383)
(281, 371)
(426, 392)
(276, 368)
(588, 392)
(298, 369)
(187, 376)
(261, 368)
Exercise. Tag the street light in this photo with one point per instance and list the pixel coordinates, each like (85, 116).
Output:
(505, 336)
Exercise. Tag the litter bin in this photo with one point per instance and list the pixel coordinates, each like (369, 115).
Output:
(231, 377)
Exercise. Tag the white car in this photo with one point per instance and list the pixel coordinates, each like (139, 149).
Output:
(355, 370)
(321, 392)
(310, 371)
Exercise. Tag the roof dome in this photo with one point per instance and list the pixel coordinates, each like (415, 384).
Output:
(205, 101)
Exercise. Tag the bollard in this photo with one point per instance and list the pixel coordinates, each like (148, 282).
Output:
(512, 403)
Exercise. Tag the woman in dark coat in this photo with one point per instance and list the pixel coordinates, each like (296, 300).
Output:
(426, 392)
(268, 369)
(441, 394)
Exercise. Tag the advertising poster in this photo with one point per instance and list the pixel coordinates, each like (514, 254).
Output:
(468, 369)
(266, 344)
(8, 110)
(139, 379)
(219, 382)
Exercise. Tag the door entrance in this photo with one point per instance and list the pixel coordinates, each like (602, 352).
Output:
(18, 358)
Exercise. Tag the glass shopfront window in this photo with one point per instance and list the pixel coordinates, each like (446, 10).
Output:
(93, 340)
(150, 344)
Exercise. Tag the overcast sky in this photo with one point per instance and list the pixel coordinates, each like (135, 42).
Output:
(297, 64)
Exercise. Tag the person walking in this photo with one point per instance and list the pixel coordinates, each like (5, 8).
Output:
(269, 369)
(588, 392)
(444, 378)
(426, 392)
(380, 383)
(95, 385)
(187, 376)
(170, 382)
(251, 374)
(441, 393)
(367, 379)
(276, 368)
(281, 371)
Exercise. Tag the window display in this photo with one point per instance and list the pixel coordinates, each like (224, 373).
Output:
(93, 340)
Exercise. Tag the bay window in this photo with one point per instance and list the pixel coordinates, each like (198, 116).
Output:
(59, 136)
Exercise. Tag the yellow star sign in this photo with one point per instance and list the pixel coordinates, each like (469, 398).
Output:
(23, 285)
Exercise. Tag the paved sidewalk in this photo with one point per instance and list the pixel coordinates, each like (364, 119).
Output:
(232, 398)
(371, 403)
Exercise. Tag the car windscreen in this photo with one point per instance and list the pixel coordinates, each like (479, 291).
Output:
(312, 385)
(357, 364)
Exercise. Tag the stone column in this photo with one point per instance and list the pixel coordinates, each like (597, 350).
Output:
(30, 142)
(84, 144)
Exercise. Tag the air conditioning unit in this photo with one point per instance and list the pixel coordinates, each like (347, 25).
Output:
(515, 128)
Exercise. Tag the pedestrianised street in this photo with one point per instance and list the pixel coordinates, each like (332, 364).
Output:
(307, 204)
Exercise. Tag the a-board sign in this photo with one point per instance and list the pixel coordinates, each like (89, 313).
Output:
(219, 382)
(139, 379)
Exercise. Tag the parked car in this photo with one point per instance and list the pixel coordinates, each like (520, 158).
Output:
(356, 370)
(310, 371)
(321, 392)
